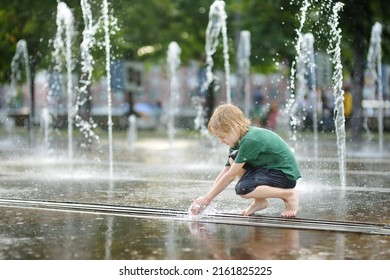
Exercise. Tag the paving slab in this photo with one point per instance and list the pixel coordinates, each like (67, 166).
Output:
(39, 192)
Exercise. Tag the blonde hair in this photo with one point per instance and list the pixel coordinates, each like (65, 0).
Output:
(226, 118)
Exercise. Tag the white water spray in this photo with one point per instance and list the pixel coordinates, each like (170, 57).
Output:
(86, 126)
(173, 60)
(305, 103)
(216, 25)
(132, 132)
(243, 54)
(21, 58)
(63, 49)
(307, 86)
(45, 122)
(337, 80)
(295, 98)
(374, 58)
(109, 93)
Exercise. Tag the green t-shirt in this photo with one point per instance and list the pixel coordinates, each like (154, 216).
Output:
(263, 148)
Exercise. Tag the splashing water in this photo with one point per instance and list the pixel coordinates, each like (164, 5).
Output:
(209, 210)
(305, 58)
(199, 121)
(173, 59)
(243, 54)
(216, 25)
(21, 58)
(306, 96)
(109, 93)
(86, 126)
(45, 122)
(303, 65)
(374, 58)
(63, 50)
(310, 62)
(293, 101)
(337, 80)
(132, 132)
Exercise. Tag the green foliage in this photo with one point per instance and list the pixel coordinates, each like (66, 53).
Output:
(145, 28)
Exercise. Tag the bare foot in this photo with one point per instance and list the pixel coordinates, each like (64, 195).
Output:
(291, 205)
(256, 205)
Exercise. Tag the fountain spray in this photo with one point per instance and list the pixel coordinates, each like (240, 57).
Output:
(374, 58)
(173, 60)
(294, 100)
(305, 66)
(305, 56)
(335, 52)
(21, 54)
(216, 25)
(65, 27)
(87, 62)
(243, 54)
(308, 62)
(109, 93)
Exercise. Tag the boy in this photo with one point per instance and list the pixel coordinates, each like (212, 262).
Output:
(261, 159)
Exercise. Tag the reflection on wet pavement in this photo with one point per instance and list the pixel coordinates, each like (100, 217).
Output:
(164, 179)
(37, 234)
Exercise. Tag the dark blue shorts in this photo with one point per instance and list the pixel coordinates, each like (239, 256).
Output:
(253, 178)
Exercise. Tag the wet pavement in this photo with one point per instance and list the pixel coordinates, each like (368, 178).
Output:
(158, 175)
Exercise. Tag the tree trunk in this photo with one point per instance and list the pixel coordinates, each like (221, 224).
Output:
(358, 29)
(357, 93)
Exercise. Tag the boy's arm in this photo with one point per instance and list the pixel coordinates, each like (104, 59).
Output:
(223, 171)
(227, 175)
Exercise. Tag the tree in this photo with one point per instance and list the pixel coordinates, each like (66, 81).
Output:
(356, 22)
(145, 28)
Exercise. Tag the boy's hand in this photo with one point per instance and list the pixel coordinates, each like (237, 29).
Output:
(198, 205)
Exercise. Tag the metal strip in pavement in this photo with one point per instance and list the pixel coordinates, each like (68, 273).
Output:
(219, 218)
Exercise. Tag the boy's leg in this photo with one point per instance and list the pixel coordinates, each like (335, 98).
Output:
(261, 193)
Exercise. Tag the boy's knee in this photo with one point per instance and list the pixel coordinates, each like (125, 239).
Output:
(243, 190)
